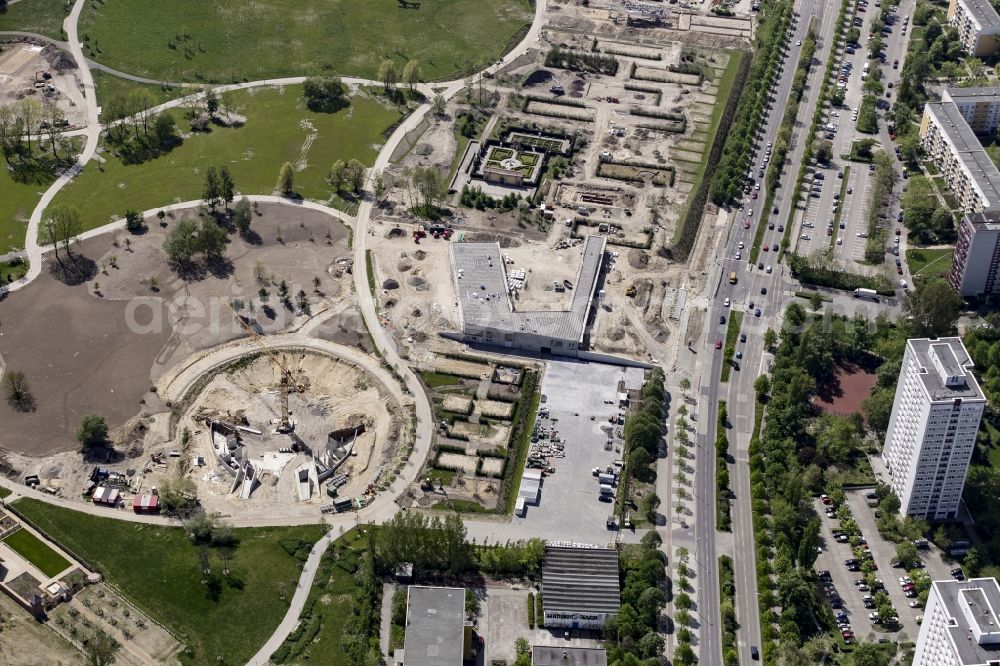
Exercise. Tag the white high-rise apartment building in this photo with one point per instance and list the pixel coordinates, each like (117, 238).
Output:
(932, 430)
(960, 625)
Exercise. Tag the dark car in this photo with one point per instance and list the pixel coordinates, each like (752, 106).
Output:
(754, 654)
(743, 337)
(781, 227)
(722, 319)
(771, 225)
(763, 291)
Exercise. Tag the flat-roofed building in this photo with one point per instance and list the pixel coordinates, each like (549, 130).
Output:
(956, 151)
(486, 308)
(979, 106)
(551, 655)
(978, 25)
(932, 428)
(977, 255)
(961, 625)
(435, 626)
(580, 586)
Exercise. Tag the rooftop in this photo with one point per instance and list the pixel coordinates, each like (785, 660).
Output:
(985, 221)
(946, 369)
(971, 608)
(550, 655)
(482, 285)
(984, 13)
(983, 173)
(435, 626)
(576, 579)
(971, 94)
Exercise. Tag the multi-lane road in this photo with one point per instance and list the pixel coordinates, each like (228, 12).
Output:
(754, 288)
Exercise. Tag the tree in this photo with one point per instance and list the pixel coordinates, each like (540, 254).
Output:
(412, 74)
(165, 129)
(650, 504)
(430, 185)
(60, 225)
(15, 385)
(770, 338)
(387, 74)
(212, 192)
(379, 186)
(824, 152)
(973, 562)
(337, 175)
(762, 386)
(181, 243)
(93, 431)
(356, 175)
(211, 239)
(211, 101)
(243, 215)
(907, 554)
(286, 179)
(134, 221)
(867, 654)
(54, 118)
(178, 496)
(439, 105)
(685, 384)
(100, 649)
(324, 94)
(227, 190)
(933, 308)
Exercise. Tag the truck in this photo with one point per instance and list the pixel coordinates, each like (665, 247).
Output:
(607, 489)
(606, 479)
(867, 294)
(732, 277)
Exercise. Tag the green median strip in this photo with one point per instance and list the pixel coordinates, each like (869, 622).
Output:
(732, 334)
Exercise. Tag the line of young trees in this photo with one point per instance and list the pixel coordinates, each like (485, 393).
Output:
(134, 131)
(24, 120)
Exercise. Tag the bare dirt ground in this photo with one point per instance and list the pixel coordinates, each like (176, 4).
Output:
(18, 631)
(89, 354)
(18, 66)
(844, 394)
(337, 395)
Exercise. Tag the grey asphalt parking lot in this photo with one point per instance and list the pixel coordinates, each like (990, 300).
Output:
(574, 392)
(832, 559)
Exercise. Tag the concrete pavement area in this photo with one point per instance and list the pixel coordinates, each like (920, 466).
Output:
(569, 505)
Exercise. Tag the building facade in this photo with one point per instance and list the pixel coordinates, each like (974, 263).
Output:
(933, 426)
(960, 625)
(977, 255)
(979, 106)
(950, 143)
(978, 25)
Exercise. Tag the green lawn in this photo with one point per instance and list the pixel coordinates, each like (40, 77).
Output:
(240, 40)
(4, 492)
(276, 131)
(721, 98)
(929, 263)
(732, 335)
(42, 16)
(157, 568)
(10, 271)
(436, 379)
(17, 200)
(36, 551)
(109, 86)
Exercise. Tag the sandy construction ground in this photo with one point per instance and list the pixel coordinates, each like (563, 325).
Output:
(85, 353)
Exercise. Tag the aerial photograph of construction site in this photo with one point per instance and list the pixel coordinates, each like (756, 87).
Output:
(384, 332)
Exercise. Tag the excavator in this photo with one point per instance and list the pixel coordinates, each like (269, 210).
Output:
(286, 385)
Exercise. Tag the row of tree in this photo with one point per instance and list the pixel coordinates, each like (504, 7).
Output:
(24, 119)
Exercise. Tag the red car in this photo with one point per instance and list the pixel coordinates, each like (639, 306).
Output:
(754, 195)
(718, 344)
(764, 248)
(746, 225)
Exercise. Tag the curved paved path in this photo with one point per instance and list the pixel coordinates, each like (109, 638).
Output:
(384, 506)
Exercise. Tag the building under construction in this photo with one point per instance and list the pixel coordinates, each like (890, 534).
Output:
(486, 302)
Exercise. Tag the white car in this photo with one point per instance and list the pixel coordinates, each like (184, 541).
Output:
(798, 42)
(741, 245)
(768, 269)
(739, 255)
(805, 236)
(840, 241)
(862, 234)
(726, 302)
(902, 283)
(768, 144)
